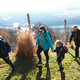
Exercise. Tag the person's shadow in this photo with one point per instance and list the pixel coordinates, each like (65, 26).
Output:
(48, 74)
(71, 54)
(23, 66)
(38, 77)
(78, 61)
(62, 76)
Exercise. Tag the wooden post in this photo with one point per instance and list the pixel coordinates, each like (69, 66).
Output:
(65, 32)
(29, 22)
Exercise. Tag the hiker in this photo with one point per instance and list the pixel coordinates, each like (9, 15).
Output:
(60, 54)
(4, 53)
(76, 35)
(44, 43)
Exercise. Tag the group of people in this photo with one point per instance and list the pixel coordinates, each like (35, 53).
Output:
(44, 43)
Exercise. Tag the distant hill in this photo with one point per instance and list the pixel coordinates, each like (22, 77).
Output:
(48, 18)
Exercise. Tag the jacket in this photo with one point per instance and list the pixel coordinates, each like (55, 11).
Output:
(60, 52)
(47, 43)
(76, 36)
(3, 49)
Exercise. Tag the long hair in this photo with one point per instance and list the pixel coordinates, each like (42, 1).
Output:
(43, 28)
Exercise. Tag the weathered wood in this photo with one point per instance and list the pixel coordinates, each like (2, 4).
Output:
(65, 32)
(29, 22)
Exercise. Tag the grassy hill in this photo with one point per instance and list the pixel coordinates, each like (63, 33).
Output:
(27, 70)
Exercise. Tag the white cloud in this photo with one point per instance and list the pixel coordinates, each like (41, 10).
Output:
(5, 17)
(16, 24)
(24, 24)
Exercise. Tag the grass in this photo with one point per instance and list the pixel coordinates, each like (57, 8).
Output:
(26, 69)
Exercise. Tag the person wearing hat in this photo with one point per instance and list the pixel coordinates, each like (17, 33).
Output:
(4, 53)
(76, 35)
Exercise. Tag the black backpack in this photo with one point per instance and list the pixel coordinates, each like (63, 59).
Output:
(7, 46)
(50, 36)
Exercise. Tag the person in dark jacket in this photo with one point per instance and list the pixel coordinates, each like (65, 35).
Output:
(76, 35)
(60, 54)
(44, 43)
(4, 54)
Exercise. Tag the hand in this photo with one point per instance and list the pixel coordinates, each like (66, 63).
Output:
(36, 46)
(69, 43)
(56, 61)
(52, 50)
(6, 57)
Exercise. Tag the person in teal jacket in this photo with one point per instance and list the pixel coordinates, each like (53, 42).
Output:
(44, 43)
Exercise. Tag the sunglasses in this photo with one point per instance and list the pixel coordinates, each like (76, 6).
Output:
(40, 31)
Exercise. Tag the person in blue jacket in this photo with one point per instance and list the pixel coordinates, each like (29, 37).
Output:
(4, 53)
(60, 54)
(44, 43)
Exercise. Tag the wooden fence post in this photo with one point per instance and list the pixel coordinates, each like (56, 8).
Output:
(29, 22)
(65, 32)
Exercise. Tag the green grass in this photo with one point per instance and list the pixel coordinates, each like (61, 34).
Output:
(26, 69)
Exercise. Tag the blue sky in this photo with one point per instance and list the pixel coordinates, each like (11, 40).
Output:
(59, 8)
(37, 5)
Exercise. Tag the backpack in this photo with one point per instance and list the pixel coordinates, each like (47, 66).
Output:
(65, 49)
(50, 36)
(8, 46)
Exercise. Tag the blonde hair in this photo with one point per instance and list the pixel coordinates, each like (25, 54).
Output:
(58, 42)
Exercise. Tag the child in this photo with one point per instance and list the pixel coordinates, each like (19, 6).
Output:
(60, 54)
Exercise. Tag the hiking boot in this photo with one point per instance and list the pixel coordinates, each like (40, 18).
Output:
(13, 70)
(38, 63)
(46, 65)
(62, 69)
(58, 69)
(75, 59)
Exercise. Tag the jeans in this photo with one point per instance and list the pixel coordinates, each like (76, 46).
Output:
(8, 61)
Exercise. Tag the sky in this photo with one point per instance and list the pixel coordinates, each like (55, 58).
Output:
(32, 5)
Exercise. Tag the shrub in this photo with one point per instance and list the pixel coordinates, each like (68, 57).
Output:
(26, 45)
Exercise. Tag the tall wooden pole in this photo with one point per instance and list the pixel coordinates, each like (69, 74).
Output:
(29, 22)
(65, 32)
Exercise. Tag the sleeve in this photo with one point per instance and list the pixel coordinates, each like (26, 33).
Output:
(3, 48)
(72, 35)
(10, 49)
(37, 42)
(55, 50)
(61, 54)
(50, 42)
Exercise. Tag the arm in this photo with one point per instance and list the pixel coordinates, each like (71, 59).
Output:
(37, 42)
(49, 41)
(72, 35)
(55, 50)
(3, 48)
